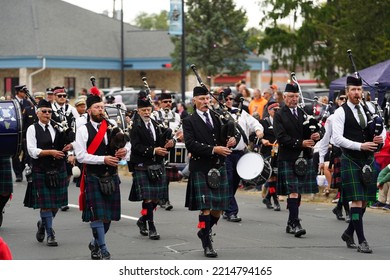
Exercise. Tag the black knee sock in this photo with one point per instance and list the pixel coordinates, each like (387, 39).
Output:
(339, 205)
(346, 207)
(293, 207)
(356, 218)
(213, 220)
(272, 191)
(204, 226)
(3, 201)
(106, 226)
(149, 213)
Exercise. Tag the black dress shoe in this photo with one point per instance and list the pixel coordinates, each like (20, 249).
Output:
(168, 206)
(142, 227)
(95, 251)
(64, 208)
(338, 213)
(51, 241)
(364, 248)
(209, 252)
(234, 218)
(268, 203)
(40, 235)
(298, 230)
(290, 228)
(348, 240)
(153, 234)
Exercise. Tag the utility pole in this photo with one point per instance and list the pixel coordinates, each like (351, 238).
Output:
(122, 50)
(183, 56)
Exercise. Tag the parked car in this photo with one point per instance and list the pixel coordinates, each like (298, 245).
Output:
(129, 98)
(114, 90)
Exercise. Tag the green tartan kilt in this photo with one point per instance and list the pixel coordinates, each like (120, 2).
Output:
(352, 186)
(44, 197)
(99, 206)
(288, 182)
(200, 197)
(142, 188)
(6, 185)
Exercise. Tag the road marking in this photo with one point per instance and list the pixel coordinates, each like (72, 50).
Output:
(122, 216)
(173, 250)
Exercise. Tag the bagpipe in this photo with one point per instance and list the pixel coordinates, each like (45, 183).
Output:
(229, 125)
(375, 122)
(117, 137)
(310, 124)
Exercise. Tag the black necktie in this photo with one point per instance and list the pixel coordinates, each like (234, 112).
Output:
(208, 122)
(362, 121)
(47, 131)
(150, 131)
(295, 113)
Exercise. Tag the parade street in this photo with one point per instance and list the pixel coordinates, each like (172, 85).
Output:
(260, 236)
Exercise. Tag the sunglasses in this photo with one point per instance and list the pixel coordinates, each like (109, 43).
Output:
(61, 95)
(342, 98)
(228, 99)
(46, 111)
(167, 101)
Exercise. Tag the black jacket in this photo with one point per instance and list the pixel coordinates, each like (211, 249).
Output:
(200, 141)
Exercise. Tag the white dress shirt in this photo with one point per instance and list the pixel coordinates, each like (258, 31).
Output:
(338, 127)
(31, 139)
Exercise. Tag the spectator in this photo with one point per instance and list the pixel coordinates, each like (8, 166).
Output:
(256, 106)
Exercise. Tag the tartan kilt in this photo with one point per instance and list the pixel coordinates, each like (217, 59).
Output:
(336, 175)
(6, 185)
(142, 188)
(200, 197)
(352, 187)
(288, 182)
(44, 197)
(99, 206)
(172, 174)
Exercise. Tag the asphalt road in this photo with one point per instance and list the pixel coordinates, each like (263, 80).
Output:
(260, 236)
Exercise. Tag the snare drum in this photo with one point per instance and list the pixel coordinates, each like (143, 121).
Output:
(253, 169)
(10, 128)
(178, 155)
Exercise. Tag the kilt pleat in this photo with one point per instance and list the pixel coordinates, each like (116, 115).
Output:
(336, 175)
(44, 197)
(352, 186)
(6, 185)
(142, 188)
(288, 182)
(199, 196)
(99, 206)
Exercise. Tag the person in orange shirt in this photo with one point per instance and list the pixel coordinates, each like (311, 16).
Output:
(256, 106)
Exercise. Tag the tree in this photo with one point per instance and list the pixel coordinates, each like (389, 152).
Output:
(215, 37)
(328, 30)
(152, 21)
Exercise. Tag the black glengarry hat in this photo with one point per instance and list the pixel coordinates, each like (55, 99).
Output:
(292, 88)
(354, 81)
(165, 95)
(199, 91)
(44, 104)
(143, 100)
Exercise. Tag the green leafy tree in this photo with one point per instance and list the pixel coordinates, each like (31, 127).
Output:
(215, 40)
(152, 21)
(328, 30)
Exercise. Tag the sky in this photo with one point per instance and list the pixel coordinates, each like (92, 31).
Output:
(131, 8)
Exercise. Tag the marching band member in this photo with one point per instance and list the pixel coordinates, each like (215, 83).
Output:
(170, 119)
(248, 125)
(294, 152)
(100, 198)
(350, 133)
(267, 150)
(47, 146)
(207, 188)
(6, 186)
(149, 145)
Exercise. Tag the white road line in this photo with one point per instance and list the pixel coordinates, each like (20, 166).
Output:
(122, 216)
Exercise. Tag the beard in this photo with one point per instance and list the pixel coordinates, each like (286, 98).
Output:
(97, 118)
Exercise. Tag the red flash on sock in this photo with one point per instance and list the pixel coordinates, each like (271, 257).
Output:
(272, 190)
(144, 212)
(201, 225)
